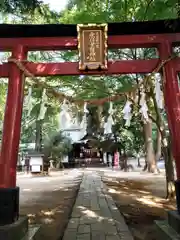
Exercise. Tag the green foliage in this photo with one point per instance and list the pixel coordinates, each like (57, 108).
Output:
(131, 138)
(3, 91)
(96, 11)
(21, 6)
(56, 146)
(89, 11)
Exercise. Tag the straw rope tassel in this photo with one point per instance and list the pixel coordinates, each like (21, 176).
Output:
(60, 96)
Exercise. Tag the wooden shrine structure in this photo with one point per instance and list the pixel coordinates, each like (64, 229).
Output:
(19, 39)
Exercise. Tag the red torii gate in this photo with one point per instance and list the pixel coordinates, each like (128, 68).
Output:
(19, 39)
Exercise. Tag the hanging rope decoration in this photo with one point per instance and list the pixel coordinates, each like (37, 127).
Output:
(83, 124)
(143, 107)
(56, 94)
(50, 91)
(29, 101)
(109, 123)
(64, 116)
(158, 92)
(43, 106)
(127, 113)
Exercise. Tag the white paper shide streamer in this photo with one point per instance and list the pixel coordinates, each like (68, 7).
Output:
(144, 108)
(29, 101)
(127, 113)
(158, 92)
(43, 107)
(109, 123)
(64, 116)
(83, 124)
(85, 108)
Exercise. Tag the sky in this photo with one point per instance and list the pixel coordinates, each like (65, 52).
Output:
(56, 5)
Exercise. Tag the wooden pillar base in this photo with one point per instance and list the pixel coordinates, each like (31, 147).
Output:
(177, 188)
(15, 231)
(9, 205)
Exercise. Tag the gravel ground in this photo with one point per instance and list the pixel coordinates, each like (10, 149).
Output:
(49, 200)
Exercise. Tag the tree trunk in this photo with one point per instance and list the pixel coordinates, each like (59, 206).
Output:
(166, 148)
(38, 145)
(150, 156)
(158, 145)
(139, 164)
(125, 162)
(145, 166)
(158, 148)
(169, 168)
(107, 159)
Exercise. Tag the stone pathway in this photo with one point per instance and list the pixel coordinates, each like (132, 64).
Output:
(95, 215)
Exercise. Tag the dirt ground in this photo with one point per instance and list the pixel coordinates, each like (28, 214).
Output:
(141, 202)
(52, 211)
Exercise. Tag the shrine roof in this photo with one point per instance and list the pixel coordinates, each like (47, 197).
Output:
(67, 30)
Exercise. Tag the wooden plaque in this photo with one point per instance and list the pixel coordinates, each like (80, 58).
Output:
(92, 46)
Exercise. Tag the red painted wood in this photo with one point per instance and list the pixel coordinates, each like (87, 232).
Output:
(139, 41)
(71, 68)
(12, 123)
(60, 43)
(37, 44)
(118, 67)
(172, 101)
(176, 64)
(4, 70)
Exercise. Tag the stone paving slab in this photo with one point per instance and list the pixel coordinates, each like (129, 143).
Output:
(95, 215)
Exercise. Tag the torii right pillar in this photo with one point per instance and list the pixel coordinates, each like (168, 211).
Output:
(172, 104)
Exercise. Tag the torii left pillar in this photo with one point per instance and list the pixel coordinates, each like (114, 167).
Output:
(9, 192)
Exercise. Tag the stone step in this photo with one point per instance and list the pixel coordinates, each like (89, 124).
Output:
(174, 220)
(16, 230)
(32, 231)
(165, 231)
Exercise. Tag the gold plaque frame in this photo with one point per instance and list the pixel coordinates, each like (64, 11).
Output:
(100, 59)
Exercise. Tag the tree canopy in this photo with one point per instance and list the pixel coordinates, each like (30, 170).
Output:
(21, 6)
